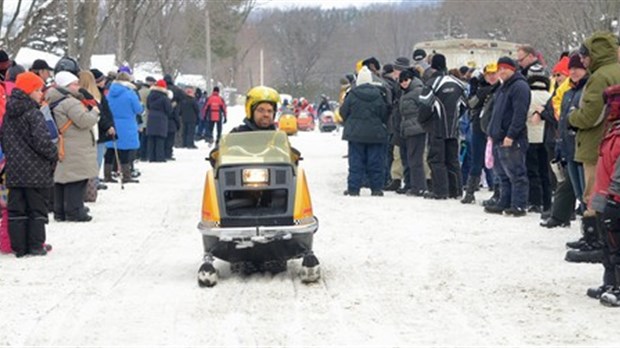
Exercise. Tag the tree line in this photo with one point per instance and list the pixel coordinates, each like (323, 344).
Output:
(306, 50)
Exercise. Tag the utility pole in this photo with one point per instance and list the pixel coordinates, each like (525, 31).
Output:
(262, 71)
(208, 46)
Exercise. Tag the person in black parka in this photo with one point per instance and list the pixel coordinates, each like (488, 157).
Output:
(189, 116)
(160, 110)
(365, 116)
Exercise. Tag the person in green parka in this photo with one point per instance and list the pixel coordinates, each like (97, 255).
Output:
(599, 55)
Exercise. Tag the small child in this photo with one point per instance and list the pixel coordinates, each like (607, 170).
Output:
(30, 160)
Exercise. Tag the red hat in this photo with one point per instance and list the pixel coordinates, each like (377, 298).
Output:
(161, 83)
(29, 82)
(561, 67)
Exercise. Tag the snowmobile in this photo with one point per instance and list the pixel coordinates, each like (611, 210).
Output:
(256, 211)
(305, 121)
(327, 121)
(287, 122)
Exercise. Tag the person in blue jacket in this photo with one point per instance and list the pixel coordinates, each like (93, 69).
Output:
(125, 105)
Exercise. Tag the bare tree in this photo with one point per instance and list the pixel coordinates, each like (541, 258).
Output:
(168, 45)
(18, 31)
(133, 17)
(298, 39)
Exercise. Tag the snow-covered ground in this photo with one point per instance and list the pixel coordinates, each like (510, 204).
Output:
(397, 271)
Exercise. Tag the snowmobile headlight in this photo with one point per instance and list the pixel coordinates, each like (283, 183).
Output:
(255, 177)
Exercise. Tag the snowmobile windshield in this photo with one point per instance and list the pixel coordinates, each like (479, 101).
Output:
(260, 147)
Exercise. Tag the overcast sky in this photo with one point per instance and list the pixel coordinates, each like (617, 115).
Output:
(326, 4)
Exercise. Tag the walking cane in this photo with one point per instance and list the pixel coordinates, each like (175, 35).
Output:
(118, 163)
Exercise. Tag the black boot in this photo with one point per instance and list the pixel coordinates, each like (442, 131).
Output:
(611, 297)
(493, 200)
(393, 185)
(472, 184)
(591, 251)
(589, 231)
(609, 279)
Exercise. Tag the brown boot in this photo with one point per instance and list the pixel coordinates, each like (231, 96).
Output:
(127, 179)
(107, 173)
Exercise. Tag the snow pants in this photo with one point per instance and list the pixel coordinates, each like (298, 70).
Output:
(443, 159)
(27, 218)
(366, 160)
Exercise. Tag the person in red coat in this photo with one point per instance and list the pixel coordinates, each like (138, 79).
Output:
(606, 200)
(215, 114)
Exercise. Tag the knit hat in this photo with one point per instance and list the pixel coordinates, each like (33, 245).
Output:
(575, 62)
(125, 69)
(562, 66)
(419, 54)
(402, 63)
(537, 77)
(65, 78)
(388, 69)
(463, 70)
(364, 76)
(439, 62)
(150, 79)
(97, 74)
(372, 61)
(29, 82)
(161, 83)
(405, 75)
(506, 63)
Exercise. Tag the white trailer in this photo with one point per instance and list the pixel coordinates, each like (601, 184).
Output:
(470, 52)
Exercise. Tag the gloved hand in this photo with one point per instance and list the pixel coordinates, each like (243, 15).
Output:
(224, 120)
(611, 214)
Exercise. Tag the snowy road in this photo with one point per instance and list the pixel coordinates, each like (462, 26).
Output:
(397, 271)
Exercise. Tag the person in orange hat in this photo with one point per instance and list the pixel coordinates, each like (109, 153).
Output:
(30, 159)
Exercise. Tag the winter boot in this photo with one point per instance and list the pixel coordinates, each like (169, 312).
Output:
(472, 184)
(107, 173)
(393, 185)
(127, 177)
(591, 250)
(589, 239)
(493, 200)
(609, 279)
(611, 297)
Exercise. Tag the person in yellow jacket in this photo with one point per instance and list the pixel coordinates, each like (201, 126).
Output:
(560, 84)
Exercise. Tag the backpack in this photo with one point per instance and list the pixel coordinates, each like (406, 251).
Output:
(486, 113)
(53, 125)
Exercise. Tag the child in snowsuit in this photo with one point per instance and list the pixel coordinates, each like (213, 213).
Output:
(30, 160)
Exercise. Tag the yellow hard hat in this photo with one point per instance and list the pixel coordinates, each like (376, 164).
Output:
(490, 68)
(260, 94)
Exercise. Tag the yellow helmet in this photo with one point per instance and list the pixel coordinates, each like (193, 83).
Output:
(260, 94)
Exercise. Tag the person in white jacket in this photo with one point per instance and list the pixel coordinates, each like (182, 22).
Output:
(537, 159)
